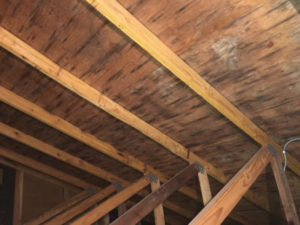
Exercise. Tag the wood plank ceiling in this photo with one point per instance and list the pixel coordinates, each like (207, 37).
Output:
(247, 50)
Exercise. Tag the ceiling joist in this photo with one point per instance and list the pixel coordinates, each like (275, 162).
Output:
(60, 75)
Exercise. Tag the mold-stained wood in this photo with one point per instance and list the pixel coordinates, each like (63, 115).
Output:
(247, 50)
(49, 68)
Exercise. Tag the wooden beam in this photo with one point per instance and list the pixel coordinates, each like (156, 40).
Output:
(60, 75)
(105, 220)
(69, 129)
(57, 153)
(72, 180)
(204, 187)
(81, 207)
(284, 189)
(223, 203)
(44, 169)
(145, 206)
(18, 198)
(58, 209)
(126, 22)
(113, 202)
(159, 216)
(38, 174)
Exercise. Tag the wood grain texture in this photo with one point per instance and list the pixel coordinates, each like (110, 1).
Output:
(222, 204)
(204, 187)
(82, 206)
(18, 198)
(284, 191)
(58, 209)
(119, 16)
(98, 212)
(23, 160)
(159, 216)
(62, 125)
(34, 58)
(150, 202)
(57, 153)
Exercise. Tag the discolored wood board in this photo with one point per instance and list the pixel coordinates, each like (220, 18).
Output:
(246, 49)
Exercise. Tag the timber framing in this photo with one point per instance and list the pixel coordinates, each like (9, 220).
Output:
(149, 203)
(60, 75)
(98, 212)
(126, 22)
(65, 157)
(223, 203)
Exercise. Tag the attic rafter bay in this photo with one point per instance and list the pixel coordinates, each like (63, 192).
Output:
(135, 30)
(65, 78)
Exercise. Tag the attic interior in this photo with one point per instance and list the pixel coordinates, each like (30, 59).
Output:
(149, 112)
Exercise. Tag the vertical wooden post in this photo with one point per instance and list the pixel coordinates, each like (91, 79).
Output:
(204, 186)
(284, 189)
(159, 216)
(105, 220)
(18, 198)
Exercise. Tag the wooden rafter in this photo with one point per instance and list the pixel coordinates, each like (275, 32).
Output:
(98, 212)
(81, 207)
(145, 206)
(58, 209)
(57, 153)
(223, 203)
(69, 159)
(60, 75)
(69, 129)
(126, 22)
(30, 163)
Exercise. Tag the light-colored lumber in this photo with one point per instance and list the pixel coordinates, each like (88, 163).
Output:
(159, 216)
(58, 209)
(215, 212)
(18, 198)
(81, 207)
(43, 168)
(284, 190)
(151, 201)
(204, 187)
(135, 30)
(56, 153)
(113, 202)
(70, 179)
(69, 129)
(60, 75)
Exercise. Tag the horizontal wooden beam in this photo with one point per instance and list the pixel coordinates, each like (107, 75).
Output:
(59, 208)
(69, 129)
(284, 190)
(60, 75)
(126, 22)
(50, 150)
(81, 207)
(223, 203)
(98, 212)
(30, 163)
(145, 206)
